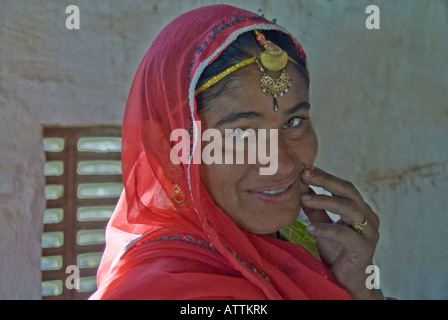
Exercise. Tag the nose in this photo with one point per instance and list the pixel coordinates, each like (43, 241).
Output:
(280, 160)
(286, 161)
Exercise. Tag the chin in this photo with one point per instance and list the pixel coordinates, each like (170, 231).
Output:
(275, 224)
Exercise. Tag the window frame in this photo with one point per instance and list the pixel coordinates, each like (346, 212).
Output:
(69, 202)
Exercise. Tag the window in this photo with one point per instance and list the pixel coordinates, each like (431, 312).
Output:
(83, 183)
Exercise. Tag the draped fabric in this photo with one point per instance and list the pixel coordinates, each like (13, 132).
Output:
(167, 239)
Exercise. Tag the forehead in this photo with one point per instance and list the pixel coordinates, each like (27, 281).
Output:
(243, 93)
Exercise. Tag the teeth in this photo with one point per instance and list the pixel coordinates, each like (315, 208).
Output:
(274, 191)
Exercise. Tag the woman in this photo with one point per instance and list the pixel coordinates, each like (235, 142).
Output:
(201, 230)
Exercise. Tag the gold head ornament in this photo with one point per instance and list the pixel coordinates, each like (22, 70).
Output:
(274, 59)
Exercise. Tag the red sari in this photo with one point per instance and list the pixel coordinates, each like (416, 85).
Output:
(167, 239)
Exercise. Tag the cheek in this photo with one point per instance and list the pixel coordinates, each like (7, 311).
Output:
(306, 148)
(222, 181)
(314, 145)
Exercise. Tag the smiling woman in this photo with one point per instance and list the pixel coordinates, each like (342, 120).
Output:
(257, 203)
(195, 230)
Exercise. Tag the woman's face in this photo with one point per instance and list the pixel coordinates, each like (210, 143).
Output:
(261, 204)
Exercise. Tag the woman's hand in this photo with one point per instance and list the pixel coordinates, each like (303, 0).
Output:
(346, 252)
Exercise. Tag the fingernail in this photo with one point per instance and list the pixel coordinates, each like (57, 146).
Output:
(311, 227)
(306, 197)
(309, 173)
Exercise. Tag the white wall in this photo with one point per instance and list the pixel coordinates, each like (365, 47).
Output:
(379, 105)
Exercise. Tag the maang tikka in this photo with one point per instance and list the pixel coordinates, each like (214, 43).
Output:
(274, 59)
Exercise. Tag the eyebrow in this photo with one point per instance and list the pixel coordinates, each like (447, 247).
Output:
(234, 116)
(300, 106)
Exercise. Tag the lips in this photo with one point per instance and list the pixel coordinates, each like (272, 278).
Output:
(276, 193)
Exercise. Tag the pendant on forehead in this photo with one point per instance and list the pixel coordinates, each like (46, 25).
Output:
(274, 59)
(275, 87)
(275, 105)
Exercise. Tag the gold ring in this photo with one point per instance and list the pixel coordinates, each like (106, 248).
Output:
(359, 226)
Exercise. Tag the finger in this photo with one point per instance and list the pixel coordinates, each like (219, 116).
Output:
(344, 207)
(354, 244)
(345, 195)
(316, 215)
(369, 231)
(335, 185)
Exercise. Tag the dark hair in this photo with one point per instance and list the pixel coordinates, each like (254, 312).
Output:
(244, 47)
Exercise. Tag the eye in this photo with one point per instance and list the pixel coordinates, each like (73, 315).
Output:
(293, 122)
(240, 133)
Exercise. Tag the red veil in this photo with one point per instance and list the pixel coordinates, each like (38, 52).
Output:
(167, 239)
